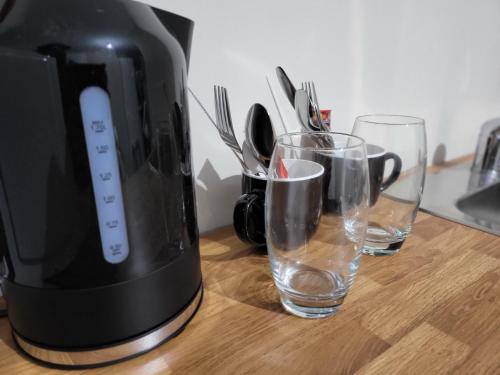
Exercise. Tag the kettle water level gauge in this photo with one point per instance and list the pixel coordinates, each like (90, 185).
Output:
(103, 160)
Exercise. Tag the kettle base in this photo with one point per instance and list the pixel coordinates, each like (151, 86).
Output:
(85, 358)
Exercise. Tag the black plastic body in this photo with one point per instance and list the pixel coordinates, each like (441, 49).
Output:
(60, 290)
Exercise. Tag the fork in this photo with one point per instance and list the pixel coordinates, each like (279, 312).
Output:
(224, 123)
(310, 88)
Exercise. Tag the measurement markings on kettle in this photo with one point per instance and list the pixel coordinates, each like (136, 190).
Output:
(105, 176)
(112, 224)
(109, 199)
(98, 126)
(101, 150)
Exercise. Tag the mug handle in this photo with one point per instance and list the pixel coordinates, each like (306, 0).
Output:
(396, 170)
(242, 220)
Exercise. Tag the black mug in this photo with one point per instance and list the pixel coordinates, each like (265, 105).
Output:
(337, 170)
(347, 168)
(377, 157)
(248, 214)
(297, 198)
(295, 204)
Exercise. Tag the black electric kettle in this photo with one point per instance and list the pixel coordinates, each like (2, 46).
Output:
(96, 189)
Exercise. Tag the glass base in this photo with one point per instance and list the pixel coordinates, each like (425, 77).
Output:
(379, 242)
(382, 248)
(308, 308)
(309, 312)
(310, 292)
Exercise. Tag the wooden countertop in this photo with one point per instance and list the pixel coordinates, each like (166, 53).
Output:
(432, 308)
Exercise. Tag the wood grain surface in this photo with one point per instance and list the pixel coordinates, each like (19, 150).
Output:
(433, 308)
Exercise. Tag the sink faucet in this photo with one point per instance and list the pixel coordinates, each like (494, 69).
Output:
(470, 195)
(486, 166)
(491, 159)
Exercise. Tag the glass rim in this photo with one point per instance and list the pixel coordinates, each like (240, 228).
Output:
(372, 119)
(279, 140)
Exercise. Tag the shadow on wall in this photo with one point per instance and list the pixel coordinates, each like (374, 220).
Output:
(439, 156)
(215, 197)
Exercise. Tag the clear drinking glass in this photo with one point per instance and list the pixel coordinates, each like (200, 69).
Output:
(397, 155)
(316, 217)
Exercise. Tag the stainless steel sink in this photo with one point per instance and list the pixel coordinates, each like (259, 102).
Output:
(453, 194)
(482, 205)
(469, 193)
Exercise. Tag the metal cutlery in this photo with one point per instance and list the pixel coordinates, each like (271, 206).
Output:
(310, 88)
(278, 108)
(254, 165)
(314, 113)
(286, 85)
(308, 118)
(224, 123)
(302, 109)
(259, 133)
(202, 107)
(306, 111)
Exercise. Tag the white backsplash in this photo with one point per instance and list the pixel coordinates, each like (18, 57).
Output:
(439, 60)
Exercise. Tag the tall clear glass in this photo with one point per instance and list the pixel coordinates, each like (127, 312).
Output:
(316, 217)
(397, 157)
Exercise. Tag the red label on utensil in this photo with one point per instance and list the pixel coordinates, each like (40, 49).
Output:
(282, 171)
(326, 116)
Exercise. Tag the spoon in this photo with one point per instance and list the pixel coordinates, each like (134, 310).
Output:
(253, 164)
(286, 85)
(260, 134)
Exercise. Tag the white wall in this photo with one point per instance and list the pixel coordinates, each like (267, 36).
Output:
(437, 59)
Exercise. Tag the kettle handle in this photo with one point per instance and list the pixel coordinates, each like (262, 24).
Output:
(5, 9)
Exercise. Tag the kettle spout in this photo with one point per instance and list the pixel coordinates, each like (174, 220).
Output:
(180, 27)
